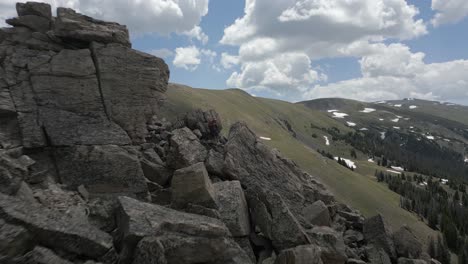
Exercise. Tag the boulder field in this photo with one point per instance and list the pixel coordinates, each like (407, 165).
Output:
(91, 173)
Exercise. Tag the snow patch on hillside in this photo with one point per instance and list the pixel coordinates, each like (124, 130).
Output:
(397, 105)
(381, 119)
(392, 171)
(332, 110)
(349, 163)
(364, 129)
(265, 138)
(351, 124)
(395, 127)
(367, 110)
(395, 120)
(339, 115)
(327, 142)
(430, 137)
(382, 135)
(397, 168)
(413, 106)
(371, 160)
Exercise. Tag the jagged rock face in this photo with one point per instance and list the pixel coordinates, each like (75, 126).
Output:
(73, 82)
(168, 236)
(55, 230)
(253, 164)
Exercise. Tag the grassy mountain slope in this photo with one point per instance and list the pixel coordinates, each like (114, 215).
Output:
(294, 130)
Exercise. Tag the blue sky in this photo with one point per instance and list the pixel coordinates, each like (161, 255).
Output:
(301, 49)
(442, 43)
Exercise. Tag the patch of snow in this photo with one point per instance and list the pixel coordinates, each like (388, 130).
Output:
(265, 138)
(392, 171)
(411, 127)
(397, 105)
(444, 181)
(466, 159)
(430, 137)
(349, 163)
(339, 115)
(381, 119)
(327, 142)
(351, 124)
(395, 120)
(398, 168)
(381, 102)
(332, 110)
(406, 118)
(364, 129)
(413, 106)
(367, 110)
(446, 139)
(398, 128)
(423, 183)
(371, 160)
(399, 116)
(382, 135)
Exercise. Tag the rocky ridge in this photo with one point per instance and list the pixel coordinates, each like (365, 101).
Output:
(91, 174)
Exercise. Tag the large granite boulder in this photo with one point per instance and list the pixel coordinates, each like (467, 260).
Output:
(161, 234)
(72, 26)
(207, 122)
(307, 254)
(185, 149)
(132, 84)
(318, 214)
(378, 233)
(233, 207)
(254, 164)
(331, 244)
(272, 216)
(42, 255)
(192, 185)
(106, 169)
(55, 230)
(407, 244)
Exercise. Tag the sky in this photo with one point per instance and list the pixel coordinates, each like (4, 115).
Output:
(298, 50)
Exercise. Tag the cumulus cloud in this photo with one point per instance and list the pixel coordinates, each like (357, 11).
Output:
(198, 34)
(288, 74)
(395, 73)
(305, 30)
(191, 57)
(228, 61)
(161, 53)
(449, 11)
(150, 16)
(187, 58)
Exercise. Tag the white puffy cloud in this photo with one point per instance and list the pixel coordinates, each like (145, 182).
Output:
(288, 74)
(305, 30)
(187, 58)
(228, 61)
(394, 73)
(191, 57)
(449, 11)
(197, 33)
(149, 16)
(161, 53)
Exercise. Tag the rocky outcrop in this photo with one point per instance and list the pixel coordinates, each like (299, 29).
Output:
(163, 234)
(91, 172)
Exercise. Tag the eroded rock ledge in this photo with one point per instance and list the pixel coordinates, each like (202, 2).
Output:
(90, 174)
